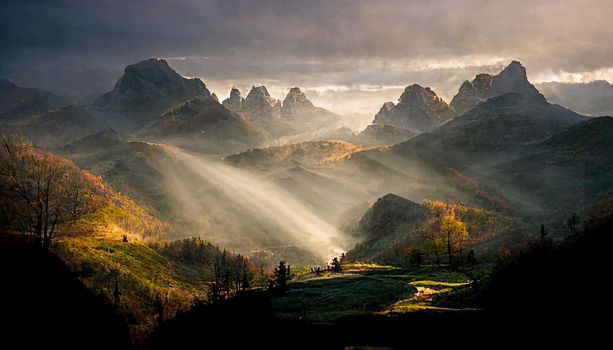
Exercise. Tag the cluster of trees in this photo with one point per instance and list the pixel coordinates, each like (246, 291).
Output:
(280, 276)
(445, 232)
(195, 251)
(40, 193)
(229, 273)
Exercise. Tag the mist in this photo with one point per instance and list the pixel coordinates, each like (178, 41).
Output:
(243, 210)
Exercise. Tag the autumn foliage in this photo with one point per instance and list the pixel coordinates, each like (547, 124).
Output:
(40, 192)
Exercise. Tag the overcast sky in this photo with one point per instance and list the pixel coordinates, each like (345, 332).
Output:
(350, 56)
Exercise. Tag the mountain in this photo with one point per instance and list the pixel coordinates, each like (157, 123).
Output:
(126, 166)
(296, 103)
(57, 127)
(203, 124)
(512, 78)
(260, 105)
(149, 88)
(567, 171)
(235, 101)
(593, 98)
(16, 101)
(381, 135)
(418, 110)
(498, 129)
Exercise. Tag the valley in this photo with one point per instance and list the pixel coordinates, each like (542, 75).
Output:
(170, 211)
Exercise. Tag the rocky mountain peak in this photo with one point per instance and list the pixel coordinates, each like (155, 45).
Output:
(258, 91)
(296, 102)
(235, 93)
(148, 88)
(417, 95)
(513, 78)
(259, 104)
(419, 110)
(235, 101)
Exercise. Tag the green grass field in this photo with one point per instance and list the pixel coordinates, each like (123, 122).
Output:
(365, 289)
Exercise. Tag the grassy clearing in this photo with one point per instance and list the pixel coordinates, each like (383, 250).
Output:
(364, 289)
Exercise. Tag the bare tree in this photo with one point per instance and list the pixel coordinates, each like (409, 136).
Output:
(39, 191)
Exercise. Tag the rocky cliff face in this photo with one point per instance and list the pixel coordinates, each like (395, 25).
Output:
(296, 103)
(235, 101)
(419, 110)
(260, 105)
(149, 88)
(511, 79)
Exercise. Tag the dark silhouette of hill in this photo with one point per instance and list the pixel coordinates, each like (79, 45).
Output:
(16, 101)
(44, 304)
(557, 285)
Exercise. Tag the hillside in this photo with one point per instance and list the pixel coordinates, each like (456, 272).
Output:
(203, 124)
(395, 231)
(569, 170)
(107, 241)
(44, 289)
(16, 101)
(57, 127)
(381, 135)
(310, 153)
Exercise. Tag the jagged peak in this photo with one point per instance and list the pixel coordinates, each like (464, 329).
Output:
(235, 92)
(514, 69)
(259, 90)
(418, 94)
(159, 63)
(295, 90)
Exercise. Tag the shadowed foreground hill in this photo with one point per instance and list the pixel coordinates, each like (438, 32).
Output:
(44, 304)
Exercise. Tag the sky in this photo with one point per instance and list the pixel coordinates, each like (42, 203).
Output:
(348, 56)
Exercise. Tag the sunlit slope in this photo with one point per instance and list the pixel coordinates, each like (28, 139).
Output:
(97, 252)
(106, 240)
(308, 154)
(394, 228)
(243, 209)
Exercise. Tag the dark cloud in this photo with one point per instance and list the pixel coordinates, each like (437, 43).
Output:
(317, 42)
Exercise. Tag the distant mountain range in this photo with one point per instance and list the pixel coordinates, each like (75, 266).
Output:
(420, 110)
(594, 98)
